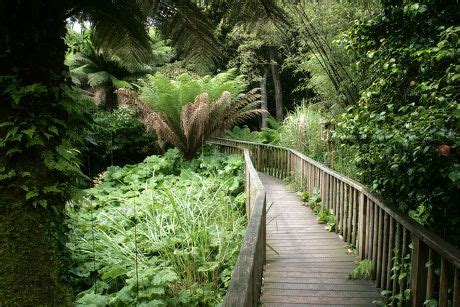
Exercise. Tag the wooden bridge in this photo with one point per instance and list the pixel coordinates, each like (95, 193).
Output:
(306, 265)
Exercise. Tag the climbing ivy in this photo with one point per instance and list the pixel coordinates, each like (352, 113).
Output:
(39, 147)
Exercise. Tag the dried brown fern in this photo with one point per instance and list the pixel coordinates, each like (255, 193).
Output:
(194, 118)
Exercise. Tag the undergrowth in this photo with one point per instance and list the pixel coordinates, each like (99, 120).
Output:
(161, 232)
(364, 270)
(323, 215)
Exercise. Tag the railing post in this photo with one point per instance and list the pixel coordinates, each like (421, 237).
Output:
(418, 272)
(362, 227)
(322, 188)
(288, 164)
(259, 158)
(302, 174)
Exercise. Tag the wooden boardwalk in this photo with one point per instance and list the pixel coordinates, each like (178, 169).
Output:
(312, 264)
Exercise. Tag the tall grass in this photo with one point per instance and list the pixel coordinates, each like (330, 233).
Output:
(301, 130)
(159, 235)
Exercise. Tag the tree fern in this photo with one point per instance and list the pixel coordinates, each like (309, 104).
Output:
(168, 96)
(198, 120)
(102, 70)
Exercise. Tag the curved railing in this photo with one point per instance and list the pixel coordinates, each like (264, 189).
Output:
(246, 281)
(381, 233)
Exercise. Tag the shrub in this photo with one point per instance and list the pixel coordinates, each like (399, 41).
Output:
(116, 137)
(301, 130)
(269, 135)
(364, 270)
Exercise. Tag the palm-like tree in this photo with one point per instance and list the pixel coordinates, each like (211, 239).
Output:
(38, 163)
(103, 72)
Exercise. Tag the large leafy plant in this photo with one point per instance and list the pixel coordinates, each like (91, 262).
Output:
(161, 232)
(168, 96)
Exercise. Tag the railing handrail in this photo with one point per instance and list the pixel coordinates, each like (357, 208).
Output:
(443, 247)
(252, 170)
(246, 280)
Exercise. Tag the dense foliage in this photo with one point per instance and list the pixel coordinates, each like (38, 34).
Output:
(404, 131)
(301, 130)
(36, 149)
(161, 232)
(99, 72)
(115, 137)
(41, 123)
(319, 63)
(385, 73)
(268, 135)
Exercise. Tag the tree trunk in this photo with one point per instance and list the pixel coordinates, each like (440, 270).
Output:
(263, 92)
(277, 85)
(100, 95)
(105, 97)
(32, 55)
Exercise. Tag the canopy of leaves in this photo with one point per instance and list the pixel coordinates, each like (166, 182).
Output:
(91, 65)
(315, 55)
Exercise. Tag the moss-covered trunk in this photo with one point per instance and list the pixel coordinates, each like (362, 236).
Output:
(29, 273)
(33, 151)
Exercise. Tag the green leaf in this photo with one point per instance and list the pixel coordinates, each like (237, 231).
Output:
(29, 132)
(114, 273)
(385, 292)
(31, 194)
(92, 299)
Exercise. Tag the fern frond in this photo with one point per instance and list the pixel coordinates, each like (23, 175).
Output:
(194, 118)
(243, 117)
(118, 24)
(99, 78)
(162, 127)
(251, 12)
(182, 117)
(153, 121)
(191, 32)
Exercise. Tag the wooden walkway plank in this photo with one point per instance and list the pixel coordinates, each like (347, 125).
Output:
(306, 264)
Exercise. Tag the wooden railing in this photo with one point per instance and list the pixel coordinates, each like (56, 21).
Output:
(404, 255)
(246, 281)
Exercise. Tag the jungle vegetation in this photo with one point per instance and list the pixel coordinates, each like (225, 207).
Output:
(106, 106)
